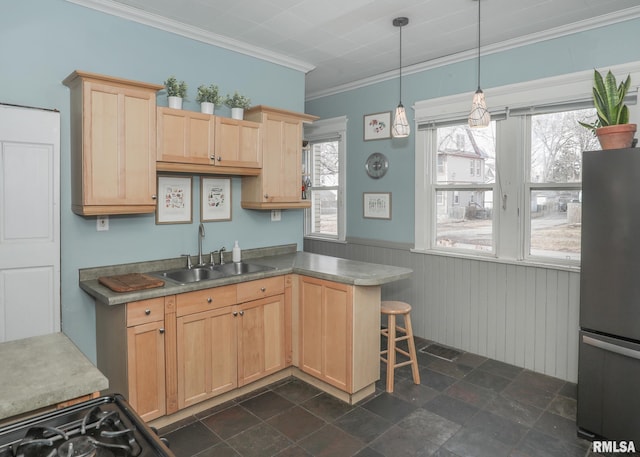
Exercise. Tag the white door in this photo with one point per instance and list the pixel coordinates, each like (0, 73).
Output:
(29, 222)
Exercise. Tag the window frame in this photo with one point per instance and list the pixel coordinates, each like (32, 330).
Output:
(512, 189)
(329, 130)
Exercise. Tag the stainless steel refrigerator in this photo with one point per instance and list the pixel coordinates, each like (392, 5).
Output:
(609, 358)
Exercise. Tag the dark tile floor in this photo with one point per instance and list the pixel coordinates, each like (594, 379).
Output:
(472, 406)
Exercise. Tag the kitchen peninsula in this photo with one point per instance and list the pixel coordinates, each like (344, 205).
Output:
(308, 315)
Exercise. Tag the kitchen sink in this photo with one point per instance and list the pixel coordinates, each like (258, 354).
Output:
(240, 268)
(195, 274)
(185, 276)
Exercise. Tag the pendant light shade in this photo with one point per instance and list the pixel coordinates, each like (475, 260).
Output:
(400, 127)
(479, 115)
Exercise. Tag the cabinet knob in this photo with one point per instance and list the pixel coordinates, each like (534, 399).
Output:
(147, 311)
(263, 289)
(154, 197)
(212, 157)
(266, 195)
(242, 313)
(219, 159)
(235, 313)
(161, 330)
(209, 300)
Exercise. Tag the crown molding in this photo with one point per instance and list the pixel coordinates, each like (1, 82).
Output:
(153, 20)
(570, 29)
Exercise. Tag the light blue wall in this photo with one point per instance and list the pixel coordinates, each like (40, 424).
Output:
(43, 41)
(598, 48)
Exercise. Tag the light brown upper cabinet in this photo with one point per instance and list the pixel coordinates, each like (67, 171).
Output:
(280, 183)
(113, 144)
(185, 136)
(202, 143)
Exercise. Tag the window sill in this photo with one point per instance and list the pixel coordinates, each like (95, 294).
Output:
(573, 268)
(323, 238)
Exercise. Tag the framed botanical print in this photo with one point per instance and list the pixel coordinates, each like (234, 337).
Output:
(174, 200)
(376, 205)
(215, 201)
(377, 126)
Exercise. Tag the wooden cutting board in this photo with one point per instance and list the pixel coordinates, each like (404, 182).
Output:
(130, 282)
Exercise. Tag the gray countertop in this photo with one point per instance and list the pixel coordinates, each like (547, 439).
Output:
(315, 265)
(42, 371)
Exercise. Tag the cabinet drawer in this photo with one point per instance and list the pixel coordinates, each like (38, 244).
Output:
(141, 312)
(253, 290)
(206, 299)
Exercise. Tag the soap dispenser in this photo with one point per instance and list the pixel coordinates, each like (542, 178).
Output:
(236, 252)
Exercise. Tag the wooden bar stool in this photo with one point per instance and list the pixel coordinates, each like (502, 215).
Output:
(392, 309)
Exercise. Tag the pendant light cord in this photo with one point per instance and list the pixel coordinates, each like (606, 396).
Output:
(478, 44)
(400, 65)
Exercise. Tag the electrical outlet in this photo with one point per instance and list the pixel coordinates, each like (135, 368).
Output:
(102, 223)
(275, 215)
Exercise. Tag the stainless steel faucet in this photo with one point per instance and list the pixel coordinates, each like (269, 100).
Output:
(200, 237)
(222, 249)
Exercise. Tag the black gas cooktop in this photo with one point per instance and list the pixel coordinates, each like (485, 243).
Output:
(103, 427)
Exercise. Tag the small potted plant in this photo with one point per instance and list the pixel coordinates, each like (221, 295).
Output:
(238, 103)
(176, 92)
(612, 126)
(208, 98)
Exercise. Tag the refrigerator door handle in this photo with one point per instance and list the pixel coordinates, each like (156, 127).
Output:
(611, 347)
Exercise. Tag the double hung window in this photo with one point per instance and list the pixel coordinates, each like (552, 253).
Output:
(512, 190)
(324, 178)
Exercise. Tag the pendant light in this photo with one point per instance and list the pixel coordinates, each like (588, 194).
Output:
(479, 115)
(400, 127)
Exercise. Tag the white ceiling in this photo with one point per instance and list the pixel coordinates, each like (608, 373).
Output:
(346, 43)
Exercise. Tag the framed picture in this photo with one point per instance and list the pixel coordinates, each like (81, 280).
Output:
(376, 205)
(377, 126)
(174, 200)
(215, 201)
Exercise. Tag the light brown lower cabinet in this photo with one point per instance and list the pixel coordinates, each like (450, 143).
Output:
(221, 348)
(168, 353)
(339, 337)
(131, 352)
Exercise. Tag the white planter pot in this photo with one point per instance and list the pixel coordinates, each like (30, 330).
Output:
(175, 102)
(237, 113)
(207, 107)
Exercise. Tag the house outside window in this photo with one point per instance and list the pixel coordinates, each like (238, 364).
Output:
(464, 220)
(324, 178)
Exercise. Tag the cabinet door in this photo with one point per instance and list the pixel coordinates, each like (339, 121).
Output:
(118, 146)
(237, 143)
(261, 338)
(146, 369)
(206, 355)
(185, 136)
(282, 160)
(326, 335)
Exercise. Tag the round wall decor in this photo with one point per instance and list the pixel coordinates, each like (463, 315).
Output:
(376, 165)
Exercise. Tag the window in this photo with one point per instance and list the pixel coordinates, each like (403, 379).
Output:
(464, 218)
(528, 161)
(323, 179)
(555, 175)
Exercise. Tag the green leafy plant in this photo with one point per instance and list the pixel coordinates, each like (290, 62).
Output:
(175, 88)
(237, 101)
(209, 94)
(608, 99)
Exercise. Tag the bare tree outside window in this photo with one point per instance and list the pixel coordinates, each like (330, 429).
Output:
(557, 143)
(323, 186)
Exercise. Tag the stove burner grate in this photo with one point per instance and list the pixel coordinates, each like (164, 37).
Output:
(99, 434)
